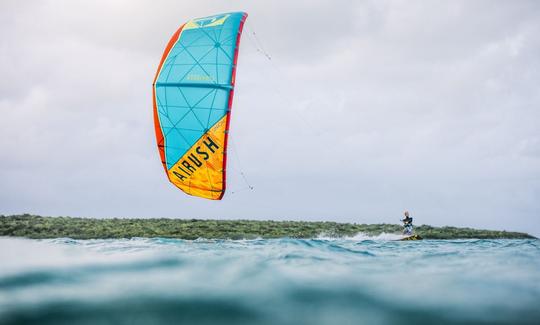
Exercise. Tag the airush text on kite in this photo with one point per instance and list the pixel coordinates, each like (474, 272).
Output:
(192, 163)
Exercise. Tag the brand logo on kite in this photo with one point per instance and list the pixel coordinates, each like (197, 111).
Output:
(206, 22)
(195, 159)
(199, 77)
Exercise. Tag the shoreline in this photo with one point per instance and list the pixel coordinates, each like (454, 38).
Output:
(38, 227)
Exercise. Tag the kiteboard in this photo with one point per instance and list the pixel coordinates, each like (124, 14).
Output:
(413, 237)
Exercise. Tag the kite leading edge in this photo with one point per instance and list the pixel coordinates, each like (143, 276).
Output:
(192, 98)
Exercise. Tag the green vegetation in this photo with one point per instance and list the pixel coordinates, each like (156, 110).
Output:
(86, 228)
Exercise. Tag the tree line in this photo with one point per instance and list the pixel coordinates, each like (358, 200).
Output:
(33, 226)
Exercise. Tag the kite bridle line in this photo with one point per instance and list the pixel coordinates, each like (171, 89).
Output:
(281, 95)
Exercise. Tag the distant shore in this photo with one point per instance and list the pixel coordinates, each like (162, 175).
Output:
(32, 226)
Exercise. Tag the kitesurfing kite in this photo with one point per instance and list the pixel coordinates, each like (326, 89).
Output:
(192, 97)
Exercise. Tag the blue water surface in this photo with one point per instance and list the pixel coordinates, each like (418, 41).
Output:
(358, 280)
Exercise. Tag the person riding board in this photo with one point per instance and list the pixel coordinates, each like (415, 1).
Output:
(407, 224)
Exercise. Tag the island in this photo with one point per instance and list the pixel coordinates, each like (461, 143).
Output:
(38, 227)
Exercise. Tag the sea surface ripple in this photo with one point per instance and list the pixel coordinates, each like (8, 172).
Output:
(359, 280)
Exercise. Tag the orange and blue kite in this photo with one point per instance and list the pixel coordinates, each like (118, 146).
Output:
(192, 95)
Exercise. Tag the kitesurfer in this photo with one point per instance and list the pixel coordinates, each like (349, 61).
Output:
(407, 224)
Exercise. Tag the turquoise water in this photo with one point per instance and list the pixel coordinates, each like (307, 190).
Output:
(359, 280)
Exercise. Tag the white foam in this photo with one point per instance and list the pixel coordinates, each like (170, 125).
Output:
(363, 236)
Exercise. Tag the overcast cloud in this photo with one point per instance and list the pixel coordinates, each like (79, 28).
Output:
(367, 108)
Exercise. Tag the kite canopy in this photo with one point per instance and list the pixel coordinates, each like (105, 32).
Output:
(193, 91)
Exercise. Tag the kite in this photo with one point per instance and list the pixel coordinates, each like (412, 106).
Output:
(192, 99)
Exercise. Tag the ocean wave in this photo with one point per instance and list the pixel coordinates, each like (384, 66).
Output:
(360, 279)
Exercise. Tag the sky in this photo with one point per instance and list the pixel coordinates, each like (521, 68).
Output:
(364, 109)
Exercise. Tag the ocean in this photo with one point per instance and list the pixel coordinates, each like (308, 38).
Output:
(358, 280)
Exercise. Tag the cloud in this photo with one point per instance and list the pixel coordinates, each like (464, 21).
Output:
(365, 109)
